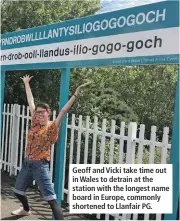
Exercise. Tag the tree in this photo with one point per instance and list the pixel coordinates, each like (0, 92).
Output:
(18, 15)
(149, 91)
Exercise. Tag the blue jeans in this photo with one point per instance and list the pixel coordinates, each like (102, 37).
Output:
(38, 171)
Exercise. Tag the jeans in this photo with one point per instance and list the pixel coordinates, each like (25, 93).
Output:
(38, 171)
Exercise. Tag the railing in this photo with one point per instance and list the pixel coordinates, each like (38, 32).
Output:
(87, 142)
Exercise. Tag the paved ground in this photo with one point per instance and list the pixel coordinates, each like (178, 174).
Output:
(40, 209)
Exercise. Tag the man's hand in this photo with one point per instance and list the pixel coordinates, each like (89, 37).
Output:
(81, 86)
(26, 79)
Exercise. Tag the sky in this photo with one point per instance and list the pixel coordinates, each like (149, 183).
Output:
(112, 5)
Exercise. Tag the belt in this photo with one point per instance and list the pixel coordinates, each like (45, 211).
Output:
(27, 161)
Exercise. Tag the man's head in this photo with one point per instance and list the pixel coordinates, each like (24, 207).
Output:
(42, 113)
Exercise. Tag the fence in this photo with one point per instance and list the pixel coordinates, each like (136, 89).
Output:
(87, 142)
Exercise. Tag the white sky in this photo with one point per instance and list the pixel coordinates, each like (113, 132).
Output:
(112, 5)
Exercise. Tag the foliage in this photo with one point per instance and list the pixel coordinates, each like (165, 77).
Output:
(145, 92)
(18, 15)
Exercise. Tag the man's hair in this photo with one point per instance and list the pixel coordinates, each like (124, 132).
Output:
(44, 106)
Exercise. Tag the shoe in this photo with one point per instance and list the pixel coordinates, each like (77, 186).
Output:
(21, 212)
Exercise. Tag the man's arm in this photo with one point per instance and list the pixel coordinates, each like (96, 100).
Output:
(29, 94)
(68, 105)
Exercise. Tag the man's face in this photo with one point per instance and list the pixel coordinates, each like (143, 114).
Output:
(42, 115)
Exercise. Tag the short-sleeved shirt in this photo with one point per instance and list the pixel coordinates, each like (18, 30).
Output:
(40, 140)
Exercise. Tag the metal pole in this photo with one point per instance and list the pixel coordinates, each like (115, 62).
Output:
(2, 98)
(61, 144)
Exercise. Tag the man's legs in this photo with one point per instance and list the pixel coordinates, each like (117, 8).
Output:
(42, 177)
(24, 201)
(56, 209)
(23, 180)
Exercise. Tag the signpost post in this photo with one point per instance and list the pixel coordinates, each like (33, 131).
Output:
(2, 96)
(141, 35)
